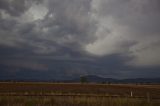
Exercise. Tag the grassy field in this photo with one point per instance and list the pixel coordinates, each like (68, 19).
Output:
(61, 94)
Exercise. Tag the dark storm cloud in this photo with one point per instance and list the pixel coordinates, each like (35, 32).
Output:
(66, 24)
(16, 7)
(70, 24)
(68, 38)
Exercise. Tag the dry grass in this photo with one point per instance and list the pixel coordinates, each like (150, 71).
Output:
(74, 101)
(101, 89)
(51, 94)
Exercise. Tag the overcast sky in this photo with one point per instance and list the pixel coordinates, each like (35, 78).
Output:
(58, 39)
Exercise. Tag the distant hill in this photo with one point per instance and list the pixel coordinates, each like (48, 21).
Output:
(98, 79)
(90, 79)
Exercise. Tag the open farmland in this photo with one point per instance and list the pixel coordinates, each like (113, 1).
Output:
(62, 94)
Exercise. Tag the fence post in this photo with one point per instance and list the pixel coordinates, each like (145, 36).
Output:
(148, 97)
(131, 94)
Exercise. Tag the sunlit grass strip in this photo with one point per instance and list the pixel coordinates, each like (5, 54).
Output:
(70, 94)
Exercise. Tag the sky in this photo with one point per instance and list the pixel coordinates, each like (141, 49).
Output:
(64, 39)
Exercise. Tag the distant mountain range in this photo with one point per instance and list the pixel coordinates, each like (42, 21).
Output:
(97, 79)
(92, 79)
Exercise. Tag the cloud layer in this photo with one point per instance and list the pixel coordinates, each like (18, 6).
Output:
(115, 38)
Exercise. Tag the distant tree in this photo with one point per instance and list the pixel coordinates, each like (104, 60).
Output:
(108, 82)
(83, 79)
(103, 82)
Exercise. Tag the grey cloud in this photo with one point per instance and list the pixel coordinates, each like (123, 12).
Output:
(132, 23)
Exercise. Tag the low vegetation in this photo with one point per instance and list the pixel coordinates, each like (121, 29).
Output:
(51, 94)
(74, 101)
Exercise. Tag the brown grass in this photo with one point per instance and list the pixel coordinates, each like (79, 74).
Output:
(61, 94)
(74, 101)
(101, 89)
